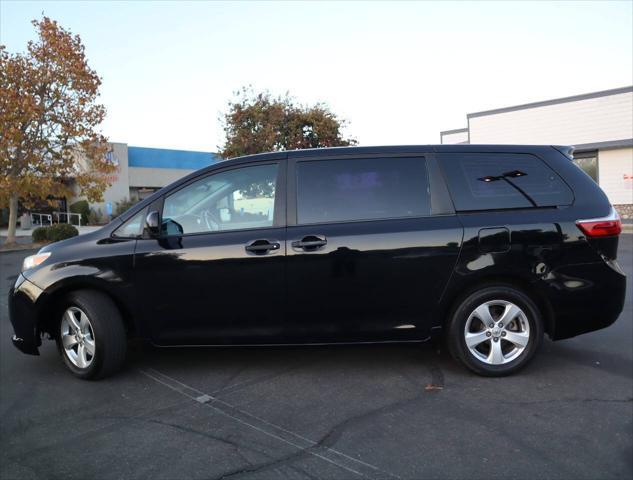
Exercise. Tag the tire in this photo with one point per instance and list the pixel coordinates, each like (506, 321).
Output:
(95, 344)
(495, 349)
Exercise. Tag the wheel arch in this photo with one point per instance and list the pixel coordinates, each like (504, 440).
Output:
(52, 303)
(452, 300)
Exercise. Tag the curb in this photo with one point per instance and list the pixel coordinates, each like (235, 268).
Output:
(21, 247)
(25, 249)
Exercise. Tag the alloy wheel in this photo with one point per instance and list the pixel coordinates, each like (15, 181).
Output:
(77, 337)
(497, 332)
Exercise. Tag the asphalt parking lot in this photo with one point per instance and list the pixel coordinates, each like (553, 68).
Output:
(320, 412)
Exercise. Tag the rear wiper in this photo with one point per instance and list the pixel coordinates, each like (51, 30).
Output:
(506, 177)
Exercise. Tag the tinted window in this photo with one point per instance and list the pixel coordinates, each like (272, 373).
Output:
(498, 181)
(361, 189)
(237, 199)
(132, 227)
(588, 162)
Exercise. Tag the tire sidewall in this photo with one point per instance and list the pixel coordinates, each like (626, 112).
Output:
(457, 341)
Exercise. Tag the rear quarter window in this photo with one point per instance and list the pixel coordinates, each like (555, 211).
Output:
(479, 181)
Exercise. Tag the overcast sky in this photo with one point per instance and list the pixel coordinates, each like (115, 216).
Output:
(398, 72)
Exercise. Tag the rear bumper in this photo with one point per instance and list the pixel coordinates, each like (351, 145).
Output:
(585, 298)
(23, 313)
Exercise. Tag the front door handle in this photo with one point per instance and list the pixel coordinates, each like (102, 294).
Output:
(310, 242)
(261, 247)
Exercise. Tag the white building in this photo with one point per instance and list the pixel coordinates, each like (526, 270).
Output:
(140, 171)
(599, 125)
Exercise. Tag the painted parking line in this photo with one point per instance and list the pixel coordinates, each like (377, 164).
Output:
(301, 443)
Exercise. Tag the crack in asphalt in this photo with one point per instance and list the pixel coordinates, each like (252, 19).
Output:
(466, 414)
(183, 428)
(281, 461)
(62, 419)
(328, 440)
(304, 445)
(336, 432)
(237, 447)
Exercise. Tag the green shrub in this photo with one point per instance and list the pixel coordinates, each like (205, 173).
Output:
(123, 206)
(60, 231)
(95, 217)
(39, 235)
(83, 208)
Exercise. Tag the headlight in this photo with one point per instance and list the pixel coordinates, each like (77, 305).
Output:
(34, 260)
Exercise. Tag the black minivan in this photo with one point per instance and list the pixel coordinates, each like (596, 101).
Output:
(490, 245)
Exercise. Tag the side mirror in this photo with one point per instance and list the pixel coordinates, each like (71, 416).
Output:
(152, 223)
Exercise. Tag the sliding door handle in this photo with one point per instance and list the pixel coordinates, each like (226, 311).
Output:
(261, 247)
(310, 242)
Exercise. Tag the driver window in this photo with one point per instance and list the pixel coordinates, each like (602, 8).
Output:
(238, 199)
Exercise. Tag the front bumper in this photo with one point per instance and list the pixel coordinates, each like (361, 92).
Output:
(29, 348)
(23, 313)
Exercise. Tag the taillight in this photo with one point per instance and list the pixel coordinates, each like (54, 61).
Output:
(608, 226)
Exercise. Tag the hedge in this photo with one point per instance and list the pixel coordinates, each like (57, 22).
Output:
(54, 233)
(39, 235)
(61, 231)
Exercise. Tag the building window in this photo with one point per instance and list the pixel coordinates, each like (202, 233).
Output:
(588, 162)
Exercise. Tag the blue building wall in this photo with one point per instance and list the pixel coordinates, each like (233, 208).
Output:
(165, 158)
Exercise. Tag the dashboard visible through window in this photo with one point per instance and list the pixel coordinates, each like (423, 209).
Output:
(238, 199)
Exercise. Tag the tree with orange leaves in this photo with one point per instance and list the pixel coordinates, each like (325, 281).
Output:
(49, 118)
(259, 122)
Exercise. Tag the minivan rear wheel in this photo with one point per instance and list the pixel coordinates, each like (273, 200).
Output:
(495, 331)
(91, 337)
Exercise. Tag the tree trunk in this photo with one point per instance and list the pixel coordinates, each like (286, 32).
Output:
(13, 217)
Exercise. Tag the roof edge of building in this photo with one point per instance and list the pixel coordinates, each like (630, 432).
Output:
(455, 130)
(173, 150)
(608, 145)
(555, 101)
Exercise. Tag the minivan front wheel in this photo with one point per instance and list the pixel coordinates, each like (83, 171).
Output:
(495, 331)
(91, 337)
(77, 337)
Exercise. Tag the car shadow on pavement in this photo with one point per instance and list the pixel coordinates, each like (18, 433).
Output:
(423, 364)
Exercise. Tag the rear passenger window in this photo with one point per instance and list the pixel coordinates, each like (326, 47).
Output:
(500, 181)
(361, 189)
